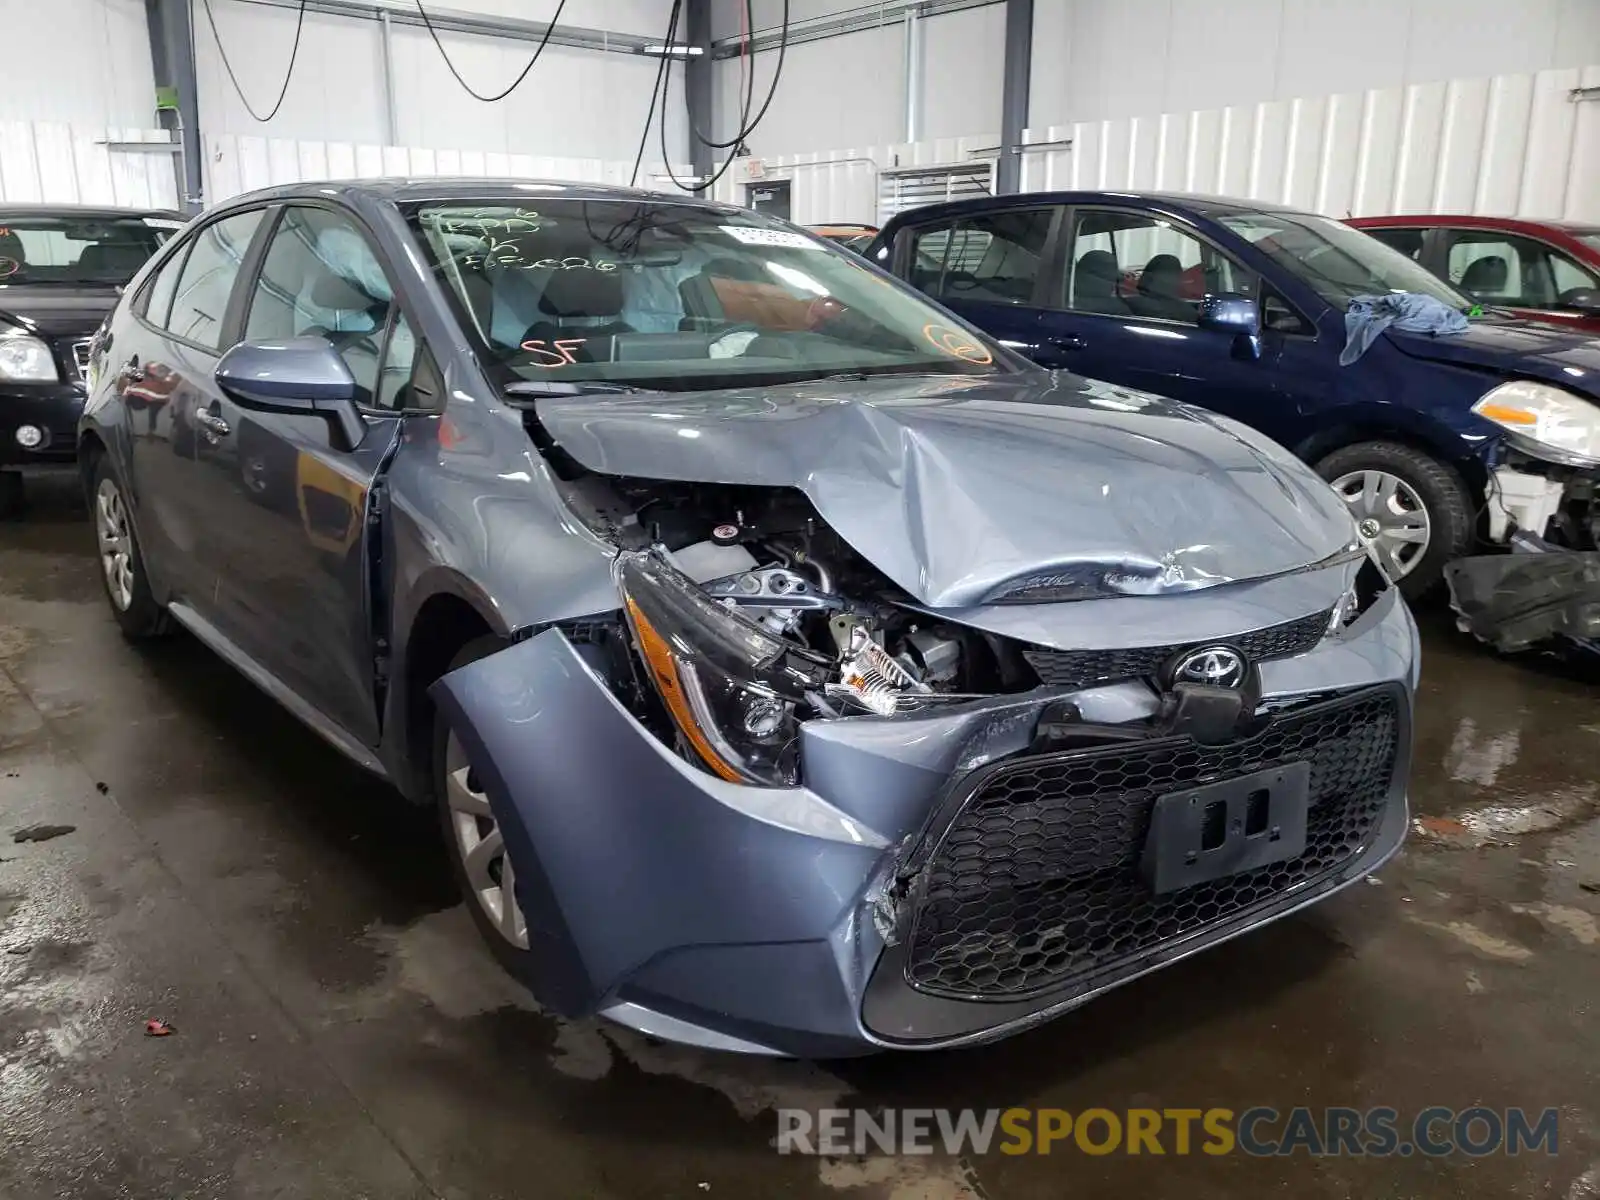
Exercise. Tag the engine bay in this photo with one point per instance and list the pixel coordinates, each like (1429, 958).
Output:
(765, 555)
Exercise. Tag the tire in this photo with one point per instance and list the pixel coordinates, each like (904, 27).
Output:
(12, 500)
(494, 926)
(122, 569)
(1408, 480)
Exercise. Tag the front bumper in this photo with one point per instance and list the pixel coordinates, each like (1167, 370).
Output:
(53, 409)
(774, 920)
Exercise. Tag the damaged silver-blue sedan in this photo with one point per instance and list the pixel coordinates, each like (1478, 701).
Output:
(795, 670)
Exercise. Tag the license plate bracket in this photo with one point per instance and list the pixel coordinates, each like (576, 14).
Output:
(1206, 833)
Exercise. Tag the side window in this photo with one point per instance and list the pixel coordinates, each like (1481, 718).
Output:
(156, 302)
(1408, 241)
(1569, 276)
(200, 300)
(994, 257)
(399, 358)
(1140, 265)
(321, 277)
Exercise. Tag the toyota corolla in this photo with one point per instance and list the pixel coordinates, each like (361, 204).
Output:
(794, 669)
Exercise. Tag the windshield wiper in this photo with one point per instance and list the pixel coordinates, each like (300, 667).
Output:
(530, 389)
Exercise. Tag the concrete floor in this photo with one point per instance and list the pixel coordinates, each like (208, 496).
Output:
(342, 1034)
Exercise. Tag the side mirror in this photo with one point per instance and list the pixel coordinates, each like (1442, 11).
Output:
(1583, 300)
(300, 376)
(1229, 312)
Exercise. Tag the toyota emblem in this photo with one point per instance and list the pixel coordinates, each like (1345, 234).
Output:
(1215, 666)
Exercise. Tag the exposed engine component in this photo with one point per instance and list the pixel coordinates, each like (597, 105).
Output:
(783, 595)
(867, 674)
(766, 555)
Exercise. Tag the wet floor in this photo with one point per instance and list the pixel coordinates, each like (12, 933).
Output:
(340, 1032)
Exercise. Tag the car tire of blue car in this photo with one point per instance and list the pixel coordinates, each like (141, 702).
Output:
(140, 617)
(1443, 495)
(518, 961)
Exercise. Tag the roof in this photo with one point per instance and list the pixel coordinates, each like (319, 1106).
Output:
(1477, 221)
(398, 190)
(1196, 203)
(88, 211)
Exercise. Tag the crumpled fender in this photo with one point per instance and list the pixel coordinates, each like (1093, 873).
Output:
(625, 852)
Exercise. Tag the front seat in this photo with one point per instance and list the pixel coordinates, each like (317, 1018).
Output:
(13, 258)
(1094, 284)
(1486, 276)
(581, 305)
(1160, 290)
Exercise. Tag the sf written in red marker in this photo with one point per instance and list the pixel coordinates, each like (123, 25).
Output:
(558, 353)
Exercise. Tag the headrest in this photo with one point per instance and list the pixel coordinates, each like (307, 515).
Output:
(582, 292)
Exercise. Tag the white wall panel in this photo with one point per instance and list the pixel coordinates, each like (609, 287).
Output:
(80, 61)
(1098, 59)
(241, 163)
(963, 62)
(54, 163)
(575, 103)
(1509, 145)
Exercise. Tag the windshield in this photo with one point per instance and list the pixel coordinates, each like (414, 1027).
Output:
(78, 250)
(1341, 263)
(674, 296)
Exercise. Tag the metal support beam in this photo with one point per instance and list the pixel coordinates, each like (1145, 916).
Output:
(1014, 94)
(876, 15)
(697, 89)
(172, 62)
(913, 74)
(456, 21)
(391, 115)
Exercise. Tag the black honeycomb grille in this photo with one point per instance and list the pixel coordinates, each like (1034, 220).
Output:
(1081, 668)
(1035, 886)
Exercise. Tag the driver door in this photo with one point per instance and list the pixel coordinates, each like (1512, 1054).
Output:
(288, 536)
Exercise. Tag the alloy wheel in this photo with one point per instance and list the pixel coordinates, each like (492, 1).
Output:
(482, 848)
(1390, 517)
(116, 543)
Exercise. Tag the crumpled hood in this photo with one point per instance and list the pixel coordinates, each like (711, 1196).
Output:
(1514, 348)
(57, 311)
(963, 489)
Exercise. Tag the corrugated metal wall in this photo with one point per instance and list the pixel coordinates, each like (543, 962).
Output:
(43, 162)
(237, 164)
(1507, 145)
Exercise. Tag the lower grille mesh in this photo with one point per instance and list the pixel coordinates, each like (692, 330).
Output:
(1035, 885)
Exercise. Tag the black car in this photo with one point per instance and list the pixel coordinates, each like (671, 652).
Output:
(62, 268)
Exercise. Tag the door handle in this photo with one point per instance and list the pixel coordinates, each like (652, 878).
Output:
(214, 425)
(1066, 342)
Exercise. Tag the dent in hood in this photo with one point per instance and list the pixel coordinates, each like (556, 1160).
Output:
(965, 491)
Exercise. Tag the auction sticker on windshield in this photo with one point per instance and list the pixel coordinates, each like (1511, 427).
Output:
(771, 237)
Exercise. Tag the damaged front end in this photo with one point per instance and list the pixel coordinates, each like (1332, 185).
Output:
(775, 804)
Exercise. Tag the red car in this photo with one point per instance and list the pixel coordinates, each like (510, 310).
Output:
(1546, 270)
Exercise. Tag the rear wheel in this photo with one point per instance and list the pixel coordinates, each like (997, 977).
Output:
(476, 844)
(122, 571)
(1410, 508)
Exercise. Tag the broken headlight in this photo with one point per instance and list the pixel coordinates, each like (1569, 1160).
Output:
(731, 687)
(1370, 583)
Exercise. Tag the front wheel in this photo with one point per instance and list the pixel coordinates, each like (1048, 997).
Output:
(1411, 509)
(476, 844)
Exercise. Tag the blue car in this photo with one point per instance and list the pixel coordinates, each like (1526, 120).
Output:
(1437, 443)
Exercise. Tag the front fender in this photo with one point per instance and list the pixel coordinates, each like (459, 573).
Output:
(624, 852)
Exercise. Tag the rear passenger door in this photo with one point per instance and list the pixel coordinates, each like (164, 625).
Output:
(162, 363)
(990, 268)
